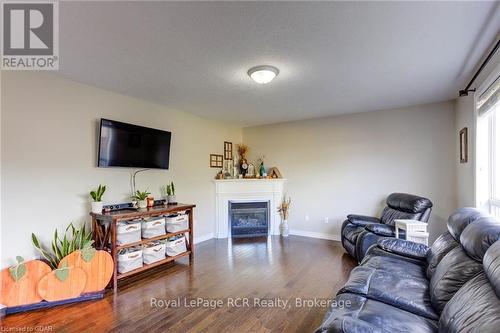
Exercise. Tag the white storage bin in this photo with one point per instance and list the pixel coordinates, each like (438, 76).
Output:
(176, 245)
(178, 222)
(128, 232)
(153, 227)
(129, 259)
(153, 252)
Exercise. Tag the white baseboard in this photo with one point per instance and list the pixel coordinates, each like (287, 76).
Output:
(295, 232)
(313, 234)
(202, 238)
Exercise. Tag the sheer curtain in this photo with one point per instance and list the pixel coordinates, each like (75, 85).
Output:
(488, 148)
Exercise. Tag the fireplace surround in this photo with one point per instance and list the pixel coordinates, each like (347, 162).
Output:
(233, 191)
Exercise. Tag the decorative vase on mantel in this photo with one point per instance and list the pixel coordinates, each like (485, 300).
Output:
(284, 230)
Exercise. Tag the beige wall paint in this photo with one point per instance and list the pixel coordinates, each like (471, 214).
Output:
(48, 164)
(350, 163)
(466, 117)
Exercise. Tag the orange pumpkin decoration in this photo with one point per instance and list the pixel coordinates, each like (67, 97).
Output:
(62, 283)
(97, 264)
(19, 282)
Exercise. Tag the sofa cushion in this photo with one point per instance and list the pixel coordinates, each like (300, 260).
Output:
(491, 263)
(461, 218)
(366, 315)
(351, 232)
(441, 246)
(374, 251)
(474, 308)
(404, 247)
(479, 236)
(407, 293)
(395, 265)
(454, 270)
(362, 220)
(408, 202)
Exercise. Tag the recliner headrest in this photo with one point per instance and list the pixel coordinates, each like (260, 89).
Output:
(461, 218)
(491, 265)
(477, 237)
(408, 202)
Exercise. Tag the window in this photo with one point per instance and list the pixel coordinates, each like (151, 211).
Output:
(488, 148)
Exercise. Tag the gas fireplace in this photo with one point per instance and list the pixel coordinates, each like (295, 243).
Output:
(249, 219)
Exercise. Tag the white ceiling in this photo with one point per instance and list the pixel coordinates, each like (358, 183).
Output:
(334, 57)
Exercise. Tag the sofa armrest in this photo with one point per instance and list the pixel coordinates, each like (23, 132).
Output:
(381, 229)
(404, 247)
(362, 220)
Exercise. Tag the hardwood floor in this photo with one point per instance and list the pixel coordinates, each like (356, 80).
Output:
(224, 270)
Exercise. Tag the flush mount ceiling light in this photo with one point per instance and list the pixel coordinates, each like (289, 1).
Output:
(263, 74)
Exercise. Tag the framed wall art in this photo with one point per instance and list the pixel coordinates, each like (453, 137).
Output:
(216, 161)
(463, 137)
(228, 150)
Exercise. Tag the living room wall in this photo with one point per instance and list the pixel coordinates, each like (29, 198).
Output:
(350, 163)
(48, 165)
(465, 117)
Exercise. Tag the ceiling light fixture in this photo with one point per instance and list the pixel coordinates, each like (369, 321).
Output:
(263, 74)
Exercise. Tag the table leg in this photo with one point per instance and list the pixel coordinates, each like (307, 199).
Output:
(114, 255)
(191, 238)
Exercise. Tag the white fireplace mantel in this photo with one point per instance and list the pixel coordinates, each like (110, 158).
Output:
(247, 190)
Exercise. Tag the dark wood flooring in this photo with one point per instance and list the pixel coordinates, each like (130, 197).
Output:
(264, 268)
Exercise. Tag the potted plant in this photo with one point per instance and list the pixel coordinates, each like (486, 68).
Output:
(171, 199)
(96, 197)
(284, 209)
(142, 198)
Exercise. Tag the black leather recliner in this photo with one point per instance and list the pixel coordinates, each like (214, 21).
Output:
(359, 232)
(401, 286)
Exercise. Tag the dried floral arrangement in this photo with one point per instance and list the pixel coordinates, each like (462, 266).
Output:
(284, 208)
(242, 150)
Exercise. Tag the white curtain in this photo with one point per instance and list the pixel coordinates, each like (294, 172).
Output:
(489, 98)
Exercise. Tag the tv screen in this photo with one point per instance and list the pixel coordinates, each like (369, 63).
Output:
(126, 145)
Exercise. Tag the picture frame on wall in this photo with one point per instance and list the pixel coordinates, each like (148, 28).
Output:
(463, 137)
(228, 150)
(216, 161)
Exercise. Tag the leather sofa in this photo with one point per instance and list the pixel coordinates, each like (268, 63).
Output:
(359, 232)
(401, 286)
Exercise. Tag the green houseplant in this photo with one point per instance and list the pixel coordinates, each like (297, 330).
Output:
(96, 196)
(141, 197)
(74, 239)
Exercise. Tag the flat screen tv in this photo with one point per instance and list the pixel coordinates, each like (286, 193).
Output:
(127, 145)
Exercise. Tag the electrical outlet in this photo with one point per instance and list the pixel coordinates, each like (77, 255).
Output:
(327, 219)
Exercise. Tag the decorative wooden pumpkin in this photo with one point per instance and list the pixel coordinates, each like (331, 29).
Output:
(19, 282)
(97, 264)
(62, 283)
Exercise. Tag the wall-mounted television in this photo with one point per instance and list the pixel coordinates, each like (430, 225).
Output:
(127, 145)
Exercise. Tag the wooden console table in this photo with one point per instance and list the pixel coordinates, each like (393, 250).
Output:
(104, 234)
